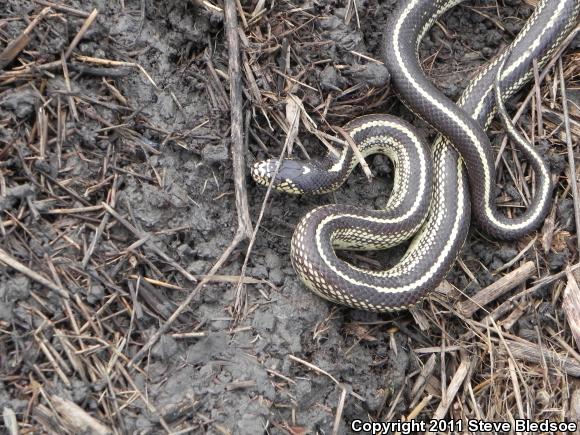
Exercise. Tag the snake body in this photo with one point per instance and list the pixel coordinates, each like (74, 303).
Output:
(434, 193)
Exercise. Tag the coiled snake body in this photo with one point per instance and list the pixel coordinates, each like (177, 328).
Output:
(435, 191)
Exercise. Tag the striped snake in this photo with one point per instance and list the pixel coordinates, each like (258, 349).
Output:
(434, 188)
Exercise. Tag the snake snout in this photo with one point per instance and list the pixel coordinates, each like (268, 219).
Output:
(262, 171)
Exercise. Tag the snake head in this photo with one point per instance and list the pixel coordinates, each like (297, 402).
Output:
(293, 176)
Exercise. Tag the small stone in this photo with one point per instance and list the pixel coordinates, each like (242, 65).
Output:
(212, 154)
(22, 102)
(506, 253)
(556, 260)
(565, 214)
(259, 271)
(329, 79)
(277, 276)
(373, 74)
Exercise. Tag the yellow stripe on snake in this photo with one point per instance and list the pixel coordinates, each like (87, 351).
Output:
(436, 190)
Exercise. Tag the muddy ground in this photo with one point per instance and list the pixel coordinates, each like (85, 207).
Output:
(159, 155)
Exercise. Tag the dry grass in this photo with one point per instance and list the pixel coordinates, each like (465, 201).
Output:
(476, 362)
(481, 369)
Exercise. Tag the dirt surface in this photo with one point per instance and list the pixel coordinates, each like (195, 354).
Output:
(157, 151)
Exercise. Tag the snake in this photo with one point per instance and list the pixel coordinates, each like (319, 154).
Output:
(437, 189)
